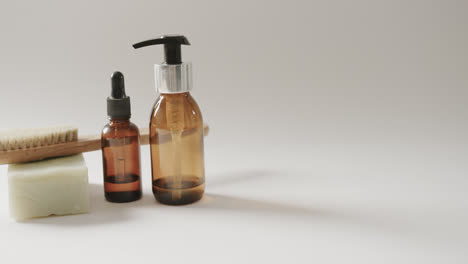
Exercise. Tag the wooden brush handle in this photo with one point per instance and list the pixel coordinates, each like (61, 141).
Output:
(83, 144)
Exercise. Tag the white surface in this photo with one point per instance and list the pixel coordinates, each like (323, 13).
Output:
(42, 188)
(339, 137)
(329, 203)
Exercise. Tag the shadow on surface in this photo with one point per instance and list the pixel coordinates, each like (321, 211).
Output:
(101, 211)
(240, 177)
(104, 212)
(250, 206)
(336, 217)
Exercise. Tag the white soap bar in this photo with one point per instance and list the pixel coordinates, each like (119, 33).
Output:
(56, 186)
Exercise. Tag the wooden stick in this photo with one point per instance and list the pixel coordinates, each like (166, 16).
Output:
(83, 144)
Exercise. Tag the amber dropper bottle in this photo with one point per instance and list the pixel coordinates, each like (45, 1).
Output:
(176, 129)
(120, 141)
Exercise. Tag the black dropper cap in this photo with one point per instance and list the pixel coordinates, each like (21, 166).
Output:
(118, 104)
(172, 51)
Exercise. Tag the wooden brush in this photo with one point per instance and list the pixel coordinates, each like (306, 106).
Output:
(25, 145)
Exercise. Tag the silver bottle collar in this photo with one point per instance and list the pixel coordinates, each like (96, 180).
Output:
(173, 78)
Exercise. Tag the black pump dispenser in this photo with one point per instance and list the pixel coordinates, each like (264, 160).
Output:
(118, 104)
(176, 128)
(172, 50)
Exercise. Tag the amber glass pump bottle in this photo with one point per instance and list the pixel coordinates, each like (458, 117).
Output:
(120, 141)
(176, 129)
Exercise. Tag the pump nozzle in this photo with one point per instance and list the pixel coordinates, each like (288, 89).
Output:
(172, 50)
(172, 76)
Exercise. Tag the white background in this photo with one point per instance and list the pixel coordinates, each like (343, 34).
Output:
(338, 128)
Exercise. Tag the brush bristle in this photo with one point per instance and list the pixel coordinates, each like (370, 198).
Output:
(37, 137)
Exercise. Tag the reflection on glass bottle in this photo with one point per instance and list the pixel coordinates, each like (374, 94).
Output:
(176, 128)
(176, 139)
(120, 141)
